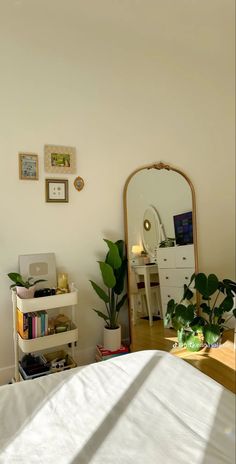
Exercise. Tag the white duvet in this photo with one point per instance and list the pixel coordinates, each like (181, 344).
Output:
(146, 407)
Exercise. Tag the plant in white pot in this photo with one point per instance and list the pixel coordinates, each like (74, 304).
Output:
(113, 271)
(25, 288)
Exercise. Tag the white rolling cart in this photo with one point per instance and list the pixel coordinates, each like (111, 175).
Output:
(63, 301)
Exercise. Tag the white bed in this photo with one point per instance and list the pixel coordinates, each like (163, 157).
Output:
(146, 407)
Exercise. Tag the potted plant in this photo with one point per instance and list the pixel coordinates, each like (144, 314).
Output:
(202, 323)
(24, 288)
(113, 271)
(167, 242)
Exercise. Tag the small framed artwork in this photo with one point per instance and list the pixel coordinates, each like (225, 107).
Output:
(59, 159)
(28, 166)
(79, 183)
(56, 190)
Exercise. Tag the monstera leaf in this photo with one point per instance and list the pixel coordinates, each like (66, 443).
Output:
(206, 285)
(211, 333)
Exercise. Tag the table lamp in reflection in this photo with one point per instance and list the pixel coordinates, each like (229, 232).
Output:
(136, 254)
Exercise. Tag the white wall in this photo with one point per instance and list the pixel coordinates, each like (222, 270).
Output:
(127, 83)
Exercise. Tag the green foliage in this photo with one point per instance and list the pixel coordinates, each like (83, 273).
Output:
(193, 343)
(20, 282)
(194, 329)
(113, 272)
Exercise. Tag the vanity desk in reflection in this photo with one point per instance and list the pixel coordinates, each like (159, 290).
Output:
(146, 270)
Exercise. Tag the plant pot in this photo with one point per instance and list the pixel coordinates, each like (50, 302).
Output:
(112, 338)
(25, 293)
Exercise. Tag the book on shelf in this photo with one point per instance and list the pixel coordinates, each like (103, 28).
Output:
(103, 354)
(22, 324)
(32, 325)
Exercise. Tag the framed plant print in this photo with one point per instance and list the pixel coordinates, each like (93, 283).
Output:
(59, 159)
(28, 166)
(56, 190)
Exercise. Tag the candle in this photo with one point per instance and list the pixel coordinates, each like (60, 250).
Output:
(62, 280)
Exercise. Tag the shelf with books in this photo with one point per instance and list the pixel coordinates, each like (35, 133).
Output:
(30, 327)
(48, 341)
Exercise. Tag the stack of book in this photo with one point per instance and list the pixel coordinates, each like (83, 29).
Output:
(32, 325)
(102, 354)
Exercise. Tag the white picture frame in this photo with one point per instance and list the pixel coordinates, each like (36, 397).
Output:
(59, 159)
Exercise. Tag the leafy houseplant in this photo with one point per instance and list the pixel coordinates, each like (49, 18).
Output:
(24, 284)
(168, 242)
(113, 271)
(202, 323)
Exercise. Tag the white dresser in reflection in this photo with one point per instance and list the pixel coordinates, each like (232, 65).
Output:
(175, 266)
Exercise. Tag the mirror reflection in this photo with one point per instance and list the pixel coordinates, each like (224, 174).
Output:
(161, 245)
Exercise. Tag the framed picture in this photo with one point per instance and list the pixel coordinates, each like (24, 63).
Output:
(56, 190)
(28, 166)
(59, 159)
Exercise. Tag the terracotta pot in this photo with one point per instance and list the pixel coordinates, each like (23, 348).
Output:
(112, 338)
(24, 293)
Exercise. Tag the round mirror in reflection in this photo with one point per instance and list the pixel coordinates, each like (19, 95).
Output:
(152, 231)
(147, 224)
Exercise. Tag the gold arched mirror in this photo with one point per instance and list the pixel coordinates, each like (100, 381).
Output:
(161, 240)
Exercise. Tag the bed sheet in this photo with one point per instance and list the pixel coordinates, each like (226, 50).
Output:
(145, 407)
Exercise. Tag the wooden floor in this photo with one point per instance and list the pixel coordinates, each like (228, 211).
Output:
(217, 363)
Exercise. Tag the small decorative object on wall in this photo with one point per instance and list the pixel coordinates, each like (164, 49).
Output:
(28, 166)
(56, 190)
(59, 159)
(79, 183)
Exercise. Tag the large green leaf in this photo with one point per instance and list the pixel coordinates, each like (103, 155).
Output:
(206, 285)
(227, 304)
(188, 294)
(211, 333)
(228, 286)
(218, 312)
(100, 314)
(121, 302)
(121, 247)
(197, 324)
(176, 324)
(205, 308)
(193, 343)
(113, 256)
(15, 277)
(100, 292)
(107, 274)
(170, 307)
(181, 337)
(184, 314)
(120, 278)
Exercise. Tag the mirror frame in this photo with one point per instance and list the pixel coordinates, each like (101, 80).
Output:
(159, 166)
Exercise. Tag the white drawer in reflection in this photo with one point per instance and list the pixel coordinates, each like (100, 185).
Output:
(175, 277)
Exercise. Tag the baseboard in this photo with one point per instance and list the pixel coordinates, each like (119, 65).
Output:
(86, 356)
(6, 374)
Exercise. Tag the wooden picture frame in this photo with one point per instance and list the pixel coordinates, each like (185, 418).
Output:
(56, 190)
(59, 159)
(28, 166)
